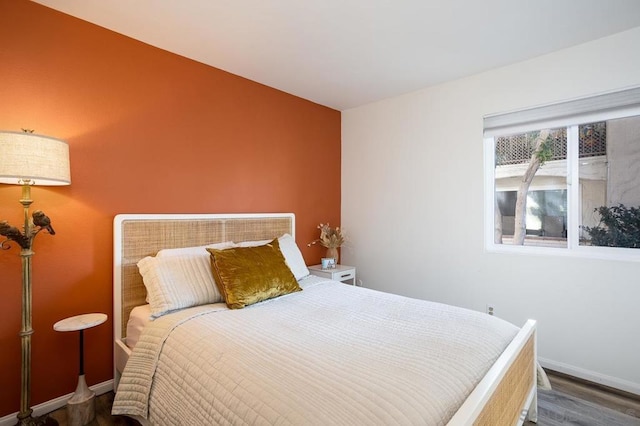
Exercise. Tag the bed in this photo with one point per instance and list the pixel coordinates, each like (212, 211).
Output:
(329, 354)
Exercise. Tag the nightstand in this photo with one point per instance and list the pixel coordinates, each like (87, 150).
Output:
(81, 407)
(342, 273)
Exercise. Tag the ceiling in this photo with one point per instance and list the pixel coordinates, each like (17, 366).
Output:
(346, 53)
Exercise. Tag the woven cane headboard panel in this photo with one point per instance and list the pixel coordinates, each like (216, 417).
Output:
(137, 236)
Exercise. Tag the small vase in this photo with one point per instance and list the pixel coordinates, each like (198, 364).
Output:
(332, 252)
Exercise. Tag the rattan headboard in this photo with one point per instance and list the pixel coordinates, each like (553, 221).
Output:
(138, 235)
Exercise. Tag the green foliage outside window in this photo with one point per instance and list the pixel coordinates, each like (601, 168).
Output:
(619, 227)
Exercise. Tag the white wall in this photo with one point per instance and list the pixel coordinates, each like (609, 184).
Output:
(412, 205)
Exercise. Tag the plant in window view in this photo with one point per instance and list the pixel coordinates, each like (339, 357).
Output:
(527, 152)
(541, 153)
(531, 177)
(619, 227)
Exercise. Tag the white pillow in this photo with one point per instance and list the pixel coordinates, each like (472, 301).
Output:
(293, 257)
(290, 251)
(178, 282)
(194, 250)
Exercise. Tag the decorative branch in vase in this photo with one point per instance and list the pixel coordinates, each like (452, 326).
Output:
(331, 238)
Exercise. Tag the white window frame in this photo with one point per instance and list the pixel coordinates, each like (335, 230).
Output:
(570, 114)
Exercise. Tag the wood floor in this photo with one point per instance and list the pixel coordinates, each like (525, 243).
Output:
(571, 402)
(575, 402)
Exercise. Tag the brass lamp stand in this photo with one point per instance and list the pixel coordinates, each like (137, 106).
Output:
(25, 240)
(25, 157)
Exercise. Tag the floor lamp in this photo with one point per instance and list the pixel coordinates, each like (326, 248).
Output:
(28, 159)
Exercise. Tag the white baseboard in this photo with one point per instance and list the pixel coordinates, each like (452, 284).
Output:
(54, 404)
(592, 376)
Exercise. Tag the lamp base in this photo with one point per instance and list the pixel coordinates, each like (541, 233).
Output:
(38, 421)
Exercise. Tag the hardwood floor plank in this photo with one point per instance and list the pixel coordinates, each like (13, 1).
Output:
(606, 397)
(564, 409)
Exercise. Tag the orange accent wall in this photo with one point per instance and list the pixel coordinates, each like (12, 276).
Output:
(149, 132)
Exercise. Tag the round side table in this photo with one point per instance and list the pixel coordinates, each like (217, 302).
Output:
(81, 408)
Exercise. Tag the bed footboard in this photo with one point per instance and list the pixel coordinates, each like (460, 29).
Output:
(505, 394)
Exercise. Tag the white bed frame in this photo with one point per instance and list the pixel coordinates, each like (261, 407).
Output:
(505, 396)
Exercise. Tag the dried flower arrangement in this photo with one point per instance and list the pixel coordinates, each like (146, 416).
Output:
(329, 237)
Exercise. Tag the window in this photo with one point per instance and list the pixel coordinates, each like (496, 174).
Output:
(565, 178)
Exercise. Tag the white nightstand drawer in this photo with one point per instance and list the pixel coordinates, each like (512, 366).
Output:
(342, 273)
(342, 276)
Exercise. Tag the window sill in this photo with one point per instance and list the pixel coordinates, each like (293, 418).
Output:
(585, 252)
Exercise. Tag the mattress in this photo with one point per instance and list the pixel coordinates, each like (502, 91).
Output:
(330, 354)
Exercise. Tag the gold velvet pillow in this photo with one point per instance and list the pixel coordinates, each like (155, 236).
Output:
(247, 275)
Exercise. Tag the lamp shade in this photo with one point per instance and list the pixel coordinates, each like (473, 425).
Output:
(41, 159)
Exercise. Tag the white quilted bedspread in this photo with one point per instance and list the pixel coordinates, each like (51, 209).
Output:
(330, 354)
